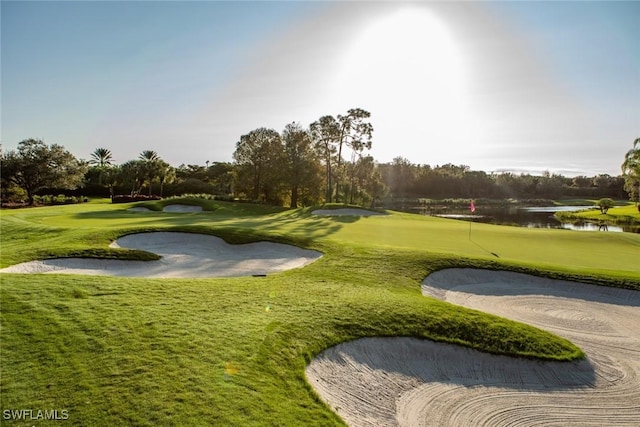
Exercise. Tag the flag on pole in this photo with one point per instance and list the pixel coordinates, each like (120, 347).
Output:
(472, 206)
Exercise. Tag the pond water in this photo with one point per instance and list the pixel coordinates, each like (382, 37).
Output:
(532, 217)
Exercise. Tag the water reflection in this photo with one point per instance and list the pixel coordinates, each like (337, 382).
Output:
(554, 209)
(590, 226)
(533, 217)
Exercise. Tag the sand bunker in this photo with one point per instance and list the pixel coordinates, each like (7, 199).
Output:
(346, 211)
(411, 382)
(183, 255)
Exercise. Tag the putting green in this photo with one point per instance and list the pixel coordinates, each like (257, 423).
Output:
(575, 251)
(614, 253)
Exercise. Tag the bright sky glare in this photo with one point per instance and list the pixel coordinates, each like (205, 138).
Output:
(520, 86)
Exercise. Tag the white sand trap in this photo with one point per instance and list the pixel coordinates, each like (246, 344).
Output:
(182, 208)
(346, 211)
(183, 255)
(411, 382)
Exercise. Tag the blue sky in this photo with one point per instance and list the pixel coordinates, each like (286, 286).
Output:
(524, 86)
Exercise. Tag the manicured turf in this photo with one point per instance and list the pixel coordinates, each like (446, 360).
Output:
(116, 351)
(628, 214)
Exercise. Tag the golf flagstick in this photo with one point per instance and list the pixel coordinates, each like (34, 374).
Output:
(472, 208)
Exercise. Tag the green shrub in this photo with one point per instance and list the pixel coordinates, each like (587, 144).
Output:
(605, 204)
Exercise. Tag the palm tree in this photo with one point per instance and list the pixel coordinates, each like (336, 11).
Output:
(166, 174)
(149, 156)
(152, 165)
(631, 171)
(111, 178)
(102, 158)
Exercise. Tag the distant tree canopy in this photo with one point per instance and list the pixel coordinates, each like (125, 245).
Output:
(407, 180)
(302, 170)
(298, 166)
(325, 132)
(36, 165)
(293, 166)
(259, 159)
(330, 136)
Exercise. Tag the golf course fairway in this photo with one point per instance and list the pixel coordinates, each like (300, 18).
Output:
(233, 351)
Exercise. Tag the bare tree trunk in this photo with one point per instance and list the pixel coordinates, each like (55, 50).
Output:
(294, 196)
(329, 183)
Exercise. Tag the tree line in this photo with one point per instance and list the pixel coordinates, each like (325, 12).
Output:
(407, 180)
(299, 166)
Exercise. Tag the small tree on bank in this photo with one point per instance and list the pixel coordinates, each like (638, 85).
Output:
(605, 204)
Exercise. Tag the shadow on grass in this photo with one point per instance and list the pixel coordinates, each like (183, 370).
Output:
(294, 227)
(501, 283)
(436, 362)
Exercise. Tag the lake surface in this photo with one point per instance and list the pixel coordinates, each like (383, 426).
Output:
(532, 217)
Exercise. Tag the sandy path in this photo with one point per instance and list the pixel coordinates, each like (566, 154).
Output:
(183, 255)
(410, 382)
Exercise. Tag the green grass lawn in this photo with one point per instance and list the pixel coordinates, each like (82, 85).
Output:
(115, 351)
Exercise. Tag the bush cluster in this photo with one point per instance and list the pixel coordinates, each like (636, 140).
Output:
(47, 200)
(218, 197)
